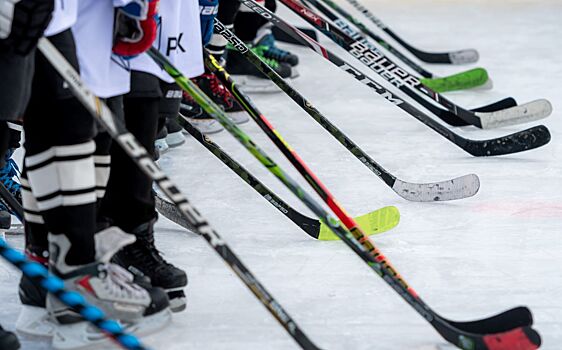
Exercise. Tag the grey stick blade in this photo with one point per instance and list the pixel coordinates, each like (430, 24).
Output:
(461, 187)
(525, 113)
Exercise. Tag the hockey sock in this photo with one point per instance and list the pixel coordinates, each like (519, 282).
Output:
(228, 10)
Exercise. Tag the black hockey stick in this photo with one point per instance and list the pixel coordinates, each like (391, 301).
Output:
(521, 141)
(455, 57)
(444, 115)
(500, 332)
(383, 66)
(377, 221)
(342, 25)
(141, 157)
(458, 188)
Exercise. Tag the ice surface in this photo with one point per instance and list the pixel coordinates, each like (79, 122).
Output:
(468, 259)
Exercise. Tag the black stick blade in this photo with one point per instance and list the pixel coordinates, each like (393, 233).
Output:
(525, 140)
(517, 317)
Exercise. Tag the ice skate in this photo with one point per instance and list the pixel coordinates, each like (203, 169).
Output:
(161, 144)
(199, 118)
(143, 258)
(8, 340)
(249, 77)
(213, 88)
(107, 286)
(175, 137)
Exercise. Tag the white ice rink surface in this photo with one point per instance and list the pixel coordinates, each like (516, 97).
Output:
(468, 259)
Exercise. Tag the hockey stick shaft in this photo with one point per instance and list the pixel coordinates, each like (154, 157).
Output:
(141, 157)
(522, 141)
(355, 238)
(423, 72)
(378, 62)
(456, 57)
(309, 225)
(463, 187)
(52, 284)
(306, 105)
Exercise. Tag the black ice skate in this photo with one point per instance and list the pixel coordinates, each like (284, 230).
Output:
(142, 258)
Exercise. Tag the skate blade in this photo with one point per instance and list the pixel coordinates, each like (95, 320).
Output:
(84, 335)
(178, 304)
(35, 321)
(15, 229)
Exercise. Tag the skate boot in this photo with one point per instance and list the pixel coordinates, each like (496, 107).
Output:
(248, 76)
(212, 87)
(197, 117)
(8, 175)
(175, 136)
(272, 51)
(142, 258)
(107, 286)
(5, 220)
(8, 340)
(33, 319)
(160, 144)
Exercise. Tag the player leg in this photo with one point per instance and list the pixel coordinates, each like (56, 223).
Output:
(129, 203)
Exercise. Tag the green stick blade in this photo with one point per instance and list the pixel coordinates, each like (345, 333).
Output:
(462, 81)
(375, 222)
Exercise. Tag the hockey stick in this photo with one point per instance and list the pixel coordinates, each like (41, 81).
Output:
(462, 187)
(52, 284)
(461, 81)
(383, 66)
(141, 157)
(513, 143)
(455, 57)
(375, 222)
(507, 330)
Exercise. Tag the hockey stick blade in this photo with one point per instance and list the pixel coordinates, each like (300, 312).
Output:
(466, 56)
(525, 113)
(375, 222)
(388, 178)
(496, 106)
(517, 317)
(469, 79)
(459, 188)
(171, 212)
(517, 142)
(453, 120)
(374, 59)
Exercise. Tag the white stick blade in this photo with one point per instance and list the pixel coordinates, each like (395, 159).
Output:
(525, 113)
(459, 188)
(464, 56)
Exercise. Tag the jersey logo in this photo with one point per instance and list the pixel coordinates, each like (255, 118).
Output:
(174, 43)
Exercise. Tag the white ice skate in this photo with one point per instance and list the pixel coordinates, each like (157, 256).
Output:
(107, 286)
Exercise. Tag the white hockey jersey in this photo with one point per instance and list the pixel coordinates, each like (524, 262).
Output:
(105, 74)
(178, 38)
(64, 16)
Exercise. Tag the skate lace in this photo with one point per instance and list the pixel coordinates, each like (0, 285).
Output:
(218, 89)
(271, 50)
(120, 283)
(8, 173)
(146, 252)
(259, 50)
